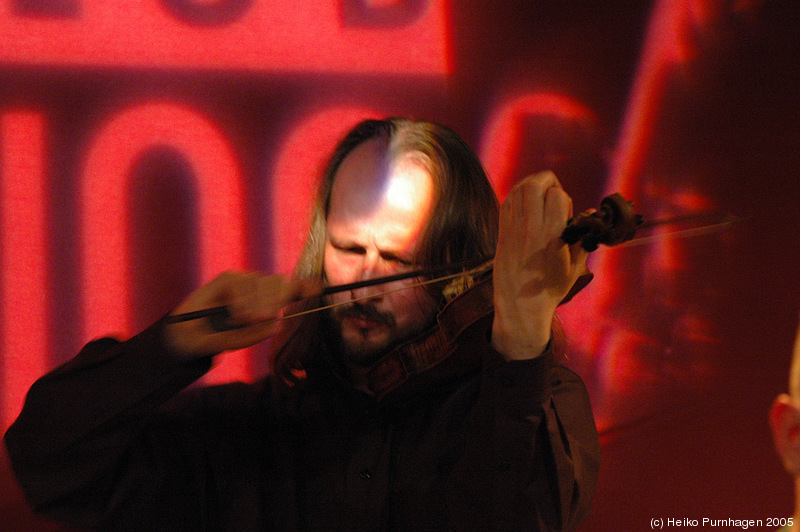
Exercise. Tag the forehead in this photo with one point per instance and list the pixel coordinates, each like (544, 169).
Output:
(369, 182)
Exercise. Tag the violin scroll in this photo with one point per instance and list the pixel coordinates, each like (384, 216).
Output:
(613, 223)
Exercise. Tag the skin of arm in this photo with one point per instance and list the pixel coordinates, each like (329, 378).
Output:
(533, 269)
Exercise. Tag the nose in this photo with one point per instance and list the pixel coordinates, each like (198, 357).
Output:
(370, 269)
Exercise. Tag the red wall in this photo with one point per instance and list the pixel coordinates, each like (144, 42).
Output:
(147, 145)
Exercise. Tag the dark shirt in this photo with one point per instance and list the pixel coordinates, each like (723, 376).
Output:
(107, 441)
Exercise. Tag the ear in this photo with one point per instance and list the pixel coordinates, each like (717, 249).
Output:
(784, 419)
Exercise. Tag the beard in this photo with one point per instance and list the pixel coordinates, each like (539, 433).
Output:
(362, 346)
(356, 345)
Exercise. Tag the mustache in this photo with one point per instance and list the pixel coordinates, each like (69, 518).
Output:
(365, 312)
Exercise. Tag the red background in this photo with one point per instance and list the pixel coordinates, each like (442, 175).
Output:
(147, 145)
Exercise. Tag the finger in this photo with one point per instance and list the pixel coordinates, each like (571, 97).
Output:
(578, 256)
(557, 210)
(267, 296)
(309, 288)
(544, 179)
(531, 191)
(242, 337)
(241, 296)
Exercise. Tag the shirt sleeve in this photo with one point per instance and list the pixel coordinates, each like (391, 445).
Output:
(72, 445)
(532, 455)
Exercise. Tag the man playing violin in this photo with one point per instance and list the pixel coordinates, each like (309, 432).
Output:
(364, 423)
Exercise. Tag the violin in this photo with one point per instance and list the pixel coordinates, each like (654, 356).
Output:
(470, 302)
(612, 224)
(469, 297)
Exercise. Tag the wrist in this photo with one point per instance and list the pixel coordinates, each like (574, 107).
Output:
(515, 346)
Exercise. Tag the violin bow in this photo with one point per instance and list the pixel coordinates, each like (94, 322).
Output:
(220, 315)
(614, 210)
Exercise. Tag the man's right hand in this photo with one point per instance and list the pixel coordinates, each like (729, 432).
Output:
(253, 300)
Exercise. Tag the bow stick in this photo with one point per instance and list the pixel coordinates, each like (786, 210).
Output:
(613, 224)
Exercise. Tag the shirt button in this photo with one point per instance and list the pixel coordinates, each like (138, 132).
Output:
(365, 474)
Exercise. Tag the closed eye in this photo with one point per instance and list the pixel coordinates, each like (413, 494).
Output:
(386, 256)
(357, 250)
(391, 257)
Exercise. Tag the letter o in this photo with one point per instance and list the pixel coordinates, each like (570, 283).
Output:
(105, 220)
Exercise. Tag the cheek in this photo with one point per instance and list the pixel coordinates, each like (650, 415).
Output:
(334, 276)
(335, 269)
(414, 305)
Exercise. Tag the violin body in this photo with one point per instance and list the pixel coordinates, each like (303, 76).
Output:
(422, 358)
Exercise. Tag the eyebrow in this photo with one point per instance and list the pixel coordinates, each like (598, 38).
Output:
(346, 244)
